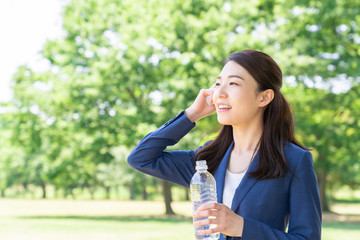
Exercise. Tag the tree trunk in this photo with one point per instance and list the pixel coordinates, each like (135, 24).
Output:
(167, 197)
(107, 190)
(187, 198)
(25, 185)
(144, 193)
(117, 192)
(132, 192)
(322, 189)
(71, 192)
(2, 193)
(92, 192)
(43, 187)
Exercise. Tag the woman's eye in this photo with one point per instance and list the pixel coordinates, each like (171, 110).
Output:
(233, 83)
(217, 84)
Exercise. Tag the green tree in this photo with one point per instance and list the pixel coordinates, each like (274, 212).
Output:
(326, 122)
(123, 67)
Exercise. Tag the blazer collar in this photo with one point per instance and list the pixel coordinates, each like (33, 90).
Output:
(245, 185)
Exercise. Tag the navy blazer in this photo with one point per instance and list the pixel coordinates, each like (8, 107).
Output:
(268, 206)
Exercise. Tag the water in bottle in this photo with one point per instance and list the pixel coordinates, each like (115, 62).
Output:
(203, 189)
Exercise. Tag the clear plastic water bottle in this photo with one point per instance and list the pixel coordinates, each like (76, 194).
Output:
(203, 189)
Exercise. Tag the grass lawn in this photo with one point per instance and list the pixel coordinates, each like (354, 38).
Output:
(90, 220)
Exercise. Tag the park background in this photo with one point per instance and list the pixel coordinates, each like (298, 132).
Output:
(123, 68)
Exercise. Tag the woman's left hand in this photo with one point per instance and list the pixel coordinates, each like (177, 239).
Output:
(226, 221)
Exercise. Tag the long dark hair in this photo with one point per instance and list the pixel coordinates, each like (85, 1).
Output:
(278, 121)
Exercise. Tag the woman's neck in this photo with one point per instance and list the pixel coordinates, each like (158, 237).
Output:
(247, 137)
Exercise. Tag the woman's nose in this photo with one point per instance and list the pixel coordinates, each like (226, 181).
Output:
(220, 92)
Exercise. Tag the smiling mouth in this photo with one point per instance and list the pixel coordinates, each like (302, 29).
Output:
(221, 106)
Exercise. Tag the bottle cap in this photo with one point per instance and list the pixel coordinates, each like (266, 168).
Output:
(201, 165)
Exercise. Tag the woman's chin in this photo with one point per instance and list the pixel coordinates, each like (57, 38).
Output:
(223, 121)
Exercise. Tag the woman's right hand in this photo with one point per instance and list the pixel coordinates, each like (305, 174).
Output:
(203, 105)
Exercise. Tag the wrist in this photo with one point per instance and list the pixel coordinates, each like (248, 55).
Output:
(192, 116)
(241, 228)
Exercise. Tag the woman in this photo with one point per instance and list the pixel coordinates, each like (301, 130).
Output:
(265, 179)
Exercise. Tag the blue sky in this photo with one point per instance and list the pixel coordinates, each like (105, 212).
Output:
(25, 26)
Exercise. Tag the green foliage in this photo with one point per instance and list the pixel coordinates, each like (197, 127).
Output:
(125, 67)
(326, 122)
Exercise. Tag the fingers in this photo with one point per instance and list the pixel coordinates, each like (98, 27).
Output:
(208, 209)
(209, 205)
(209, 98)
(209, 231)
(207, 93)
(206, 213)
(205, 221)
(200, 107)
(212, 222)
(214, 227)
(219, 218)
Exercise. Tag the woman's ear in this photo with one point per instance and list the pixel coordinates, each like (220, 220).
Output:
(266, 97)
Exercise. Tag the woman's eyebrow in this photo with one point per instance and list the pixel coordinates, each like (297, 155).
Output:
(236, 76)
(232, 76)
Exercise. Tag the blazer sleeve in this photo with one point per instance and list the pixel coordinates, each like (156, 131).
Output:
(149, 156)
(305, 209)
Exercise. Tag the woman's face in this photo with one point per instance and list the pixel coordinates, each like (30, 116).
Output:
(235, 96)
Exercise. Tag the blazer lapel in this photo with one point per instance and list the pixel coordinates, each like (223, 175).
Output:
(220, 173)
(245, 185)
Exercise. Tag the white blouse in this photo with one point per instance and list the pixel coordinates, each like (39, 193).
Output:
(232, 181)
